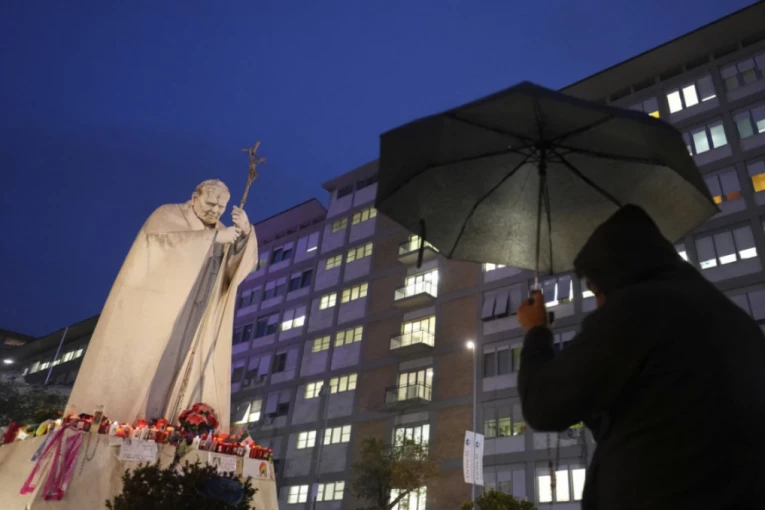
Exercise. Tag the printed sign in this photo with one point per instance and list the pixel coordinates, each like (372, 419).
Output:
(257, 469)
(136, 450)
(468, 457)
(224, 463)
(478, 459)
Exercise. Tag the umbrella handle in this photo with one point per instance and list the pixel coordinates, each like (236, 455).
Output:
(550, 315)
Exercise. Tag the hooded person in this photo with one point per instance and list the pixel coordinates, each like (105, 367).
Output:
(668, 374)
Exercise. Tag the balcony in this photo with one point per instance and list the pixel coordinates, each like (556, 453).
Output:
(409, 251)
(416, 294)
(414, 342)
(407, 395)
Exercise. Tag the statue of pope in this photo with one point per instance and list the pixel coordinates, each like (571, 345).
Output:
(174, 294)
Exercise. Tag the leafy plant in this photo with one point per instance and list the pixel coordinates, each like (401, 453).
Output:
(190, 487)
(493, 500)
(29, 405)
(383, 469)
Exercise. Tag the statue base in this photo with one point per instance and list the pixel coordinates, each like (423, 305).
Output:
(97, 475)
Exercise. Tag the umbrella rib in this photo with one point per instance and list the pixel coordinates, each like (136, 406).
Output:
(606, 155)
(582, 129)
(525, 139)
(589, 181)
(484, 197)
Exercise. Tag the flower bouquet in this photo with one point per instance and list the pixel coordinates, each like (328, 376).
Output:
(200, 419)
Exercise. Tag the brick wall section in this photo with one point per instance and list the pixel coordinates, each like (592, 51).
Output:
(377, 338)
(448, 491)
(456, 322)
(455, 275)
(385, 253)
(381, 292)
(454, 374)
(450, 425)
(371, 388)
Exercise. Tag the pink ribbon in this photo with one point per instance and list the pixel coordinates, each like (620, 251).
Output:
(62, 466)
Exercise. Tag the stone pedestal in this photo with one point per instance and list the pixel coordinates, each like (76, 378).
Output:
(97, 476)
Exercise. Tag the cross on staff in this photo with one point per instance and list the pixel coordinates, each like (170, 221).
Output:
(255, 160)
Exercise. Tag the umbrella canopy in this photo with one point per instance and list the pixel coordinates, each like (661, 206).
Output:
(523, 177)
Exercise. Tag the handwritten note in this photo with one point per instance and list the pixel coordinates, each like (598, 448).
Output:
(137, 450)
(257, 469)
(224, 463)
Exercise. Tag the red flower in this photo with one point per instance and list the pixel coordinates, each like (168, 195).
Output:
(195, 419)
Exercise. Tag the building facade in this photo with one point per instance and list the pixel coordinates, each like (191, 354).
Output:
(341, 303)
(339, 335)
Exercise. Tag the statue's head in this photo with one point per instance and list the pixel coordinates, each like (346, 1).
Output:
(209, 201)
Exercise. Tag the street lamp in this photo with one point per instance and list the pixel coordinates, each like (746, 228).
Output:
(471, 346)
(8, 361)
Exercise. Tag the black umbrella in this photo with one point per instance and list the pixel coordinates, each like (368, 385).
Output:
(524, 176)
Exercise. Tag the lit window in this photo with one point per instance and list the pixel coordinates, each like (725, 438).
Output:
(337, 435)
(569, 484)
(415, 500)
(45, 365)
(297, 494)
(680, 248)
(349, 336)
(339, 225)
(359, 252)
(253, 414)
(293, 318)
(330, 491)
(418, 331)
(704, 138)
(724, 186)
(343, 383)
(417, 384)
(419, 434)
(334, 262)
(328, 301)
(78, 353)
(423, 283)
(366, 214)
(726, 247)
(312, 390)
(557, 290)
(756, 172)
(692, 94)
(491, 267)
(354, 293)
(744, 72)
(306, 439)
(321, 344)
(35, 367)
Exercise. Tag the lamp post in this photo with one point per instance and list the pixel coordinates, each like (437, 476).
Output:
(471, 346)
(324, 394)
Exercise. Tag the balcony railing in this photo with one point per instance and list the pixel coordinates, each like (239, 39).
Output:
(422, 338)
(408, 252)
(408, 392)
(416, 289)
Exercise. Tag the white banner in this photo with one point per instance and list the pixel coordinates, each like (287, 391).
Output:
(224, 462)
(137, 450)
(468, 457)
(478, 459)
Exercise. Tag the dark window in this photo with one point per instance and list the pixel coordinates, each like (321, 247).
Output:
(282, 409)
(280, 362)
(345, 191)
(306, 280)
(243, 335)
(269, 293)
(237, 336)
(263, 328)
(236, 375)
(252, 374)
(490, 364)
(277, 256)
(280, 287)
(295, 283)
(287, 255)
(363, 183)
(503, 361)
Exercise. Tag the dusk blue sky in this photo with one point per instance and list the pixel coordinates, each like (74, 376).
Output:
(110, 109)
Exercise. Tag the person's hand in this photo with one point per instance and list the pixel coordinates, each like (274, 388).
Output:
(241, 221)
(228, 235)
(531, 315)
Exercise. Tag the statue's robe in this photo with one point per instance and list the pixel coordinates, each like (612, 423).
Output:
(175, 293)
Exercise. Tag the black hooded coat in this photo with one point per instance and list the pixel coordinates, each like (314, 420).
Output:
(668, 375)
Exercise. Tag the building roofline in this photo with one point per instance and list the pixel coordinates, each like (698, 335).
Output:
(351, 176)
(51, 340)
(301, 204)
(759, 4)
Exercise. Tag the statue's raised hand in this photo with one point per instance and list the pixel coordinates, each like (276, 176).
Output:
(241, 221)
(228, 235)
